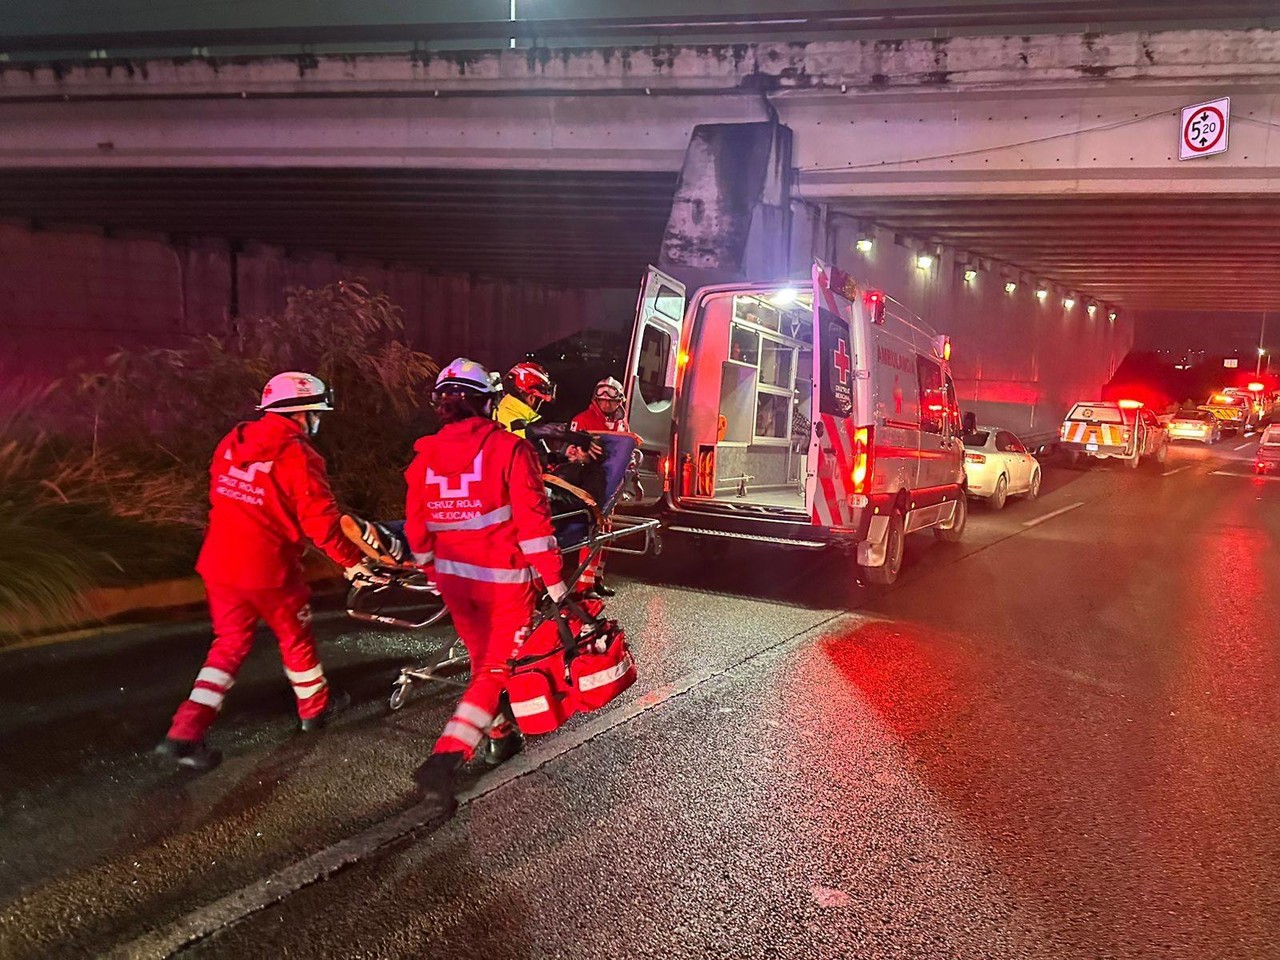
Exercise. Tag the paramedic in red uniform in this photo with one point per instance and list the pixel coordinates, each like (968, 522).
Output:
(604, 415)
(477, 520)
(269, 495)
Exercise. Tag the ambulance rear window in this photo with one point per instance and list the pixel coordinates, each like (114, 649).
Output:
(1100, 413)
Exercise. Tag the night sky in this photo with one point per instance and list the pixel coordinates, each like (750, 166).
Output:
(1221, 333)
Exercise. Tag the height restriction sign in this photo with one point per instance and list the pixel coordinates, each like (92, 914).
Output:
(1204, 129)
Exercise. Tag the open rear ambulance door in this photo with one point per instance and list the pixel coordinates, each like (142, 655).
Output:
(834, 451)
(652, 365)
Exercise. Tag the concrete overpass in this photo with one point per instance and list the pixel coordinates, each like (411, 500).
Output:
(1075, 135)
(1047, 161)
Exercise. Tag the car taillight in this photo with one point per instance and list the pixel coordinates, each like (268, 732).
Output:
(862, 459)
(974, 458)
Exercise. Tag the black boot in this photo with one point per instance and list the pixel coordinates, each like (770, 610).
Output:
(504, 743)
(435, 778)
(339, 701)
(600, 592)
(191, 754)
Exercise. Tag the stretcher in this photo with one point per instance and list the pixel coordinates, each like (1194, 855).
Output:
(563, 632)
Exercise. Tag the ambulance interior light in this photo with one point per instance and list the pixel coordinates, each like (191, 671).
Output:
(784, 297)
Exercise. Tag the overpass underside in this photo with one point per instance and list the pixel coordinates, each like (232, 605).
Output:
(1047, 163)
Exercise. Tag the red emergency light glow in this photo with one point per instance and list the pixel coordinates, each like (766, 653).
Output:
(861, 459)
(1131, 404)
(875, 303)
(1257, 387)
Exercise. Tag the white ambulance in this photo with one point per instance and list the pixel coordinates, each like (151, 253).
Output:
(805, 415)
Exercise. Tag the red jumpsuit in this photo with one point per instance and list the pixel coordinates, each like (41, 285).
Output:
(477, 518)
(269, 495)
(588, 420)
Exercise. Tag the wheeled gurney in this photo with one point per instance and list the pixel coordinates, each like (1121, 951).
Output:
(585, 525)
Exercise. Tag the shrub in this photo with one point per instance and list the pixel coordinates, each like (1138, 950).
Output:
(150, 420)
(41, 570)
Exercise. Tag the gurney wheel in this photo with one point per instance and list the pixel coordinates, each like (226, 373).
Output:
(398, 696)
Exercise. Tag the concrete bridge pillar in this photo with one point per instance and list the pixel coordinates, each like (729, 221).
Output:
(731, 212)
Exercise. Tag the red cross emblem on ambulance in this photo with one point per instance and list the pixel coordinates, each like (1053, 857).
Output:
(841, 360)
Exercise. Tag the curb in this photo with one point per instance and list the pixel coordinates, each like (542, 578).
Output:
(98, 607)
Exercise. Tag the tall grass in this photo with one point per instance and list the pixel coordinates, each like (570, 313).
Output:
(41, 570)
(97, 474)
(149, 421)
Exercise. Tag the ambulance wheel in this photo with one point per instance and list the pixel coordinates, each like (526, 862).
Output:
(398, 696)
(886, 574)
(1161, 453)
(953, 533)
(997, 499)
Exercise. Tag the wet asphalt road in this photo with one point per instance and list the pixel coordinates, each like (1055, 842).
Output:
(1056, 739)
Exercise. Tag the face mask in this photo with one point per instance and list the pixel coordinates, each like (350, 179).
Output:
(313, 423)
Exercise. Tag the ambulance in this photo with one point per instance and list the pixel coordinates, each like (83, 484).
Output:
(805, 415)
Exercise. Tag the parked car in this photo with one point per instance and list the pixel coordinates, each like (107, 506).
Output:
(1125, 430)
(997, 466)
(1195, 425)
(1268, 459)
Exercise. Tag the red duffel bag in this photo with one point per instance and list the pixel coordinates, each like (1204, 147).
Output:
(536, 688)
(602, 669)
(539, 706)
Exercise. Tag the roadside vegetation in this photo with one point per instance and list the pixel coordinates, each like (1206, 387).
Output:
(104, 478)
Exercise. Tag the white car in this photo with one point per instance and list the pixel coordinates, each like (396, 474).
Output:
(998, 466)
(1194, 425)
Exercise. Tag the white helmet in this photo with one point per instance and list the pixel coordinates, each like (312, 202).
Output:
(467, 376)
(295, 392)
(608, 389)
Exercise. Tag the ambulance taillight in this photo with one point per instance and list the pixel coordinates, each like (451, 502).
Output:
(862, 457)
(875, 305)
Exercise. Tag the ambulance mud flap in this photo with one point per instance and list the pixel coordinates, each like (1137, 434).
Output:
(871, 551)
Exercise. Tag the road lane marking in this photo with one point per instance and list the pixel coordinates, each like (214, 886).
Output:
(1245, 476)
(1174, 473)
(1247, 443)
(1049, 516)
(206, 921)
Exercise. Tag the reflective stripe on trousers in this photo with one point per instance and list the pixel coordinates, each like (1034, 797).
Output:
(306, 683)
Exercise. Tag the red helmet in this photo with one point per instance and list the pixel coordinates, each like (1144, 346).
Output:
(531, 383)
